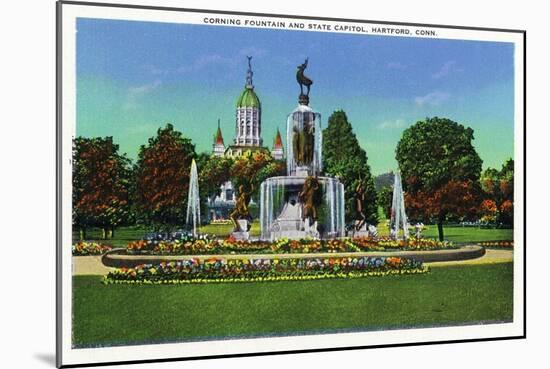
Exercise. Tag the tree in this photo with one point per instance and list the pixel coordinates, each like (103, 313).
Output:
(383, 180)
(252, 168)
(343, 157)
(498, 186)
(384, 200)
(455, 199)
(101, 182)
(162, 178)
(506, 212)
(214, 171)
(441, 170)
(488, 211)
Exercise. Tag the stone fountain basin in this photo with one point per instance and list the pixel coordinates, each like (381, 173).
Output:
(298, 181)
(118, 258)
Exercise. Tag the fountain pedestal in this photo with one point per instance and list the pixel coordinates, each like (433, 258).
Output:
(362, 232)
(303, 203)
(243, 235)
(281, 210)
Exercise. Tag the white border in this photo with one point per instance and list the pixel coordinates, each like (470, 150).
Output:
(69, 356)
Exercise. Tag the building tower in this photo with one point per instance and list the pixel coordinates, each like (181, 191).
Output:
(248, 130)
(277, 151)
(218, 148)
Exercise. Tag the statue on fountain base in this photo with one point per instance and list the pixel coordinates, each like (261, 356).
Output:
(242, 235)
(241, 215)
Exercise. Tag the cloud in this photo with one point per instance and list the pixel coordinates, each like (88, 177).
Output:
(154, 70)
(144, 89)
(433, 98)
(445, 69)
(396, 65)
(137, 92)
(392, 124)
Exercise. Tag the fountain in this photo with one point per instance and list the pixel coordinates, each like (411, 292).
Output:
(303, 203)
(193, 200)
(398, 216)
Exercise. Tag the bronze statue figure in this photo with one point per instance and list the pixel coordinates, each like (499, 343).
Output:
(302, 79)
(297, 145)
(241, 209)
(309, 139)
(303, 143)
(359, 201)
(308, 197)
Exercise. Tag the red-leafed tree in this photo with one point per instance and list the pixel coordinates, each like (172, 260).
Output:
(101, 183)
(162, 178)
(498, 186)
(441, 170)
(488, 210)
(506, 210)
(453, 199)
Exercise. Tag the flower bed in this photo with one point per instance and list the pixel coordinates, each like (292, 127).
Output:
(497, 244)
(247, 270)
(221, 221)
(89, 248)
(206, 246)
(174, 244)
(412, 244)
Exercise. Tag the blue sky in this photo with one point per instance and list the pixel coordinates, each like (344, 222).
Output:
(133, 77)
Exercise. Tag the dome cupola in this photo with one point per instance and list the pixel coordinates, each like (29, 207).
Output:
(249, 114)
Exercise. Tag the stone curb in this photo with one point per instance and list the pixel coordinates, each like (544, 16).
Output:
(117, 258)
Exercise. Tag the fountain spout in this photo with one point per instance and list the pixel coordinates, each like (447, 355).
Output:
(193, 200)
(398, 215)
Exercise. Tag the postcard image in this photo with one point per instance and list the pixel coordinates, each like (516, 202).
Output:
(235, 183)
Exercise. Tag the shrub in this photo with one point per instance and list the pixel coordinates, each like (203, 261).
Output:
(497, 244)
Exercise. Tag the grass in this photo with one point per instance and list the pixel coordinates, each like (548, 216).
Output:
(470, 234)
(126, 314)
(124, 235)
(223, 230)
(460, 234)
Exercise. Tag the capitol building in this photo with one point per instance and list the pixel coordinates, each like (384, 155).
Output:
(248, 138)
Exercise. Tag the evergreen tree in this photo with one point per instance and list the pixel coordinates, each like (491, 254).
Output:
(385, 196)
(344, 158)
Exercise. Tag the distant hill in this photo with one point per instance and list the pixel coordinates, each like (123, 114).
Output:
(383, 180)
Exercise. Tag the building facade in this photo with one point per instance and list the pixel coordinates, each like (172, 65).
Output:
(248, 137)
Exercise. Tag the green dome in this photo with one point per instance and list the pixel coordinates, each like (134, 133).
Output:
(248, 99)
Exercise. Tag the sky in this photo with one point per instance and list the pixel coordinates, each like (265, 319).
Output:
(134, 77)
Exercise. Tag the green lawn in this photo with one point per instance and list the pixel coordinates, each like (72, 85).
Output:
(461, 234)
(470, 234)
(125, 314)
(124, 235)
(223, 230)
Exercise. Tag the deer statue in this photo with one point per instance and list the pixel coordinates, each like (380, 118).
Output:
(302, 79)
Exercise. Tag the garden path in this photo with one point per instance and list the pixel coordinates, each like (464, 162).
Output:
(491, 257)
(91, 265)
